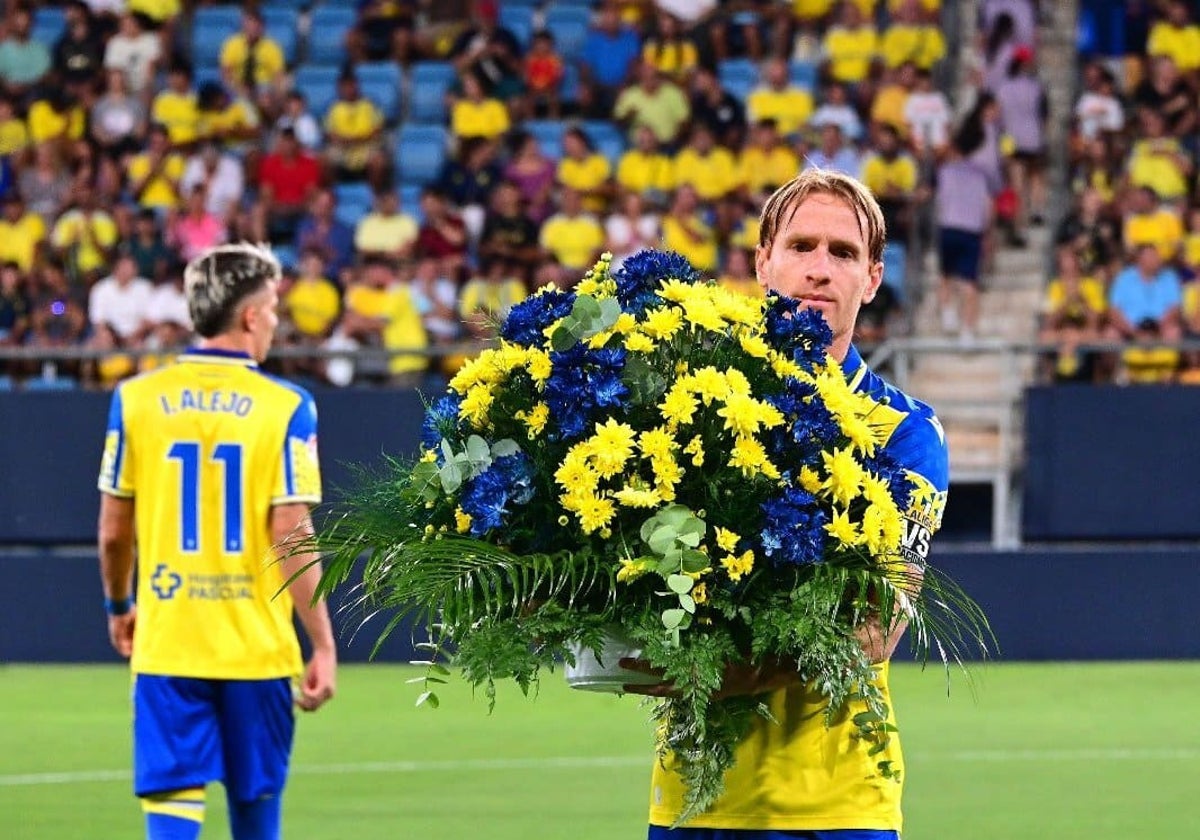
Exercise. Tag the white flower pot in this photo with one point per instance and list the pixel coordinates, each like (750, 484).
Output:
(592, 672)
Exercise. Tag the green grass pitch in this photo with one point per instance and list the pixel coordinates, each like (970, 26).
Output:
(1062, 751)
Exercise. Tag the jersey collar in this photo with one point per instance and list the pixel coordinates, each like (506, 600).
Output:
(215, 356)
(854, 367)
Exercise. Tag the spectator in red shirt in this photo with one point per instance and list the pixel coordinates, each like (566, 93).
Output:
(287, 179)
(543, 73)
(443, 235)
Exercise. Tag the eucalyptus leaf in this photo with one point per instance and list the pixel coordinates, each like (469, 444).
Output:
(695, 561)
(451, 476)
(688, 603)
(478, 449)
(662, 539)
(672, 618)
(680, 584)
(504, 448)
(428, 697)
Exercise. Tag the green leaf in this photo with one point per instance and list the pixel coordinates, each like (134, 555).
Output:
(439, 669)
(504, 448)
(585, 307)
(865, 717)
(425, 480)
(680, 584)
(610, 311)
(478, 449)
(662, 539)
(562, 339)
(691, 531)
(694, 561)
(674, 515)
(451, 476)
(672, 618)
(428, 697)
(688, 603)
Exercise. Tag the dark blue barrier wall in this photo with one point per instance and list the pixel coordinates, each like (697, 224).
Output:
(1064, 604)
(51, 443)
(1112, 463)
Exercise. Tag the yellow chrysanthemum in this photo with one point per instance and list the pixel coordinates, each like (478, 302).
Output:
(845, 475)
(575, 475)
(476, 404)
(727, 540)
(535, 419)
(736, 382)
(695, 448)
(677, 291)
(699, 593)
(708, 384)
(539, 366)
(632, 569)
(611, 447)
(738, 566)
(663, 322)
(462, 520)
(810, 480)
(638, 496)
(639, 342)
(874, 528)
(702, 312)
(595, 512)
(737, 308)
(784, 367)
(745, 415)
(678, 405)
(876, 491)
(429, 456)
(656, 443)
(861, 435)
(842, 529)
(667, 474)
(625, 324)
(754, 345)
(751, 458)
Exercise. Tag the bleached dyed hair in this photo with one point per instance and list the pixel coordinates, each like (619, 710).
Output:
(219, 280)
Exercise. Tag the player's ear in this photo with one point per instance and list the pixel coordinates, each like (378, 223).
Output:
(874, 279)
(761, 255)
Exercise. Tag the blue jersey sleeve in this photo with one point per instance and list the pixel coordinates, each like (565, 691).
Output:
(919, 446)
(116, 473)
(301, 468)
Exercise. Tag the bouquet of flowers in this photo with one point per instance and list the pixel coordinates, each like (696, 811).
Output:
(656, 454)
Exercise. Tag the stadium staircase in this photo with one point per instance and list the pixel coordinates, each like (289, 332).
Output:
(977, 386)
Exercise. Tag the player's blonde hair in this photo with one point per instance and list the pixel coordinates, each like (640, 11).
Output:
(784, 201)
(217, 281)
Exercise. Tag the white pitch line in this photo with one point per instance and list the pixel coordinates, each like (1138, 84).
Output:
(616, 761)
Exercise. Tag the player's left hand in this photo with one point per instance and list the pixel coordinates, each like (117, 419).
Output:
(320, 681)
(120, 632)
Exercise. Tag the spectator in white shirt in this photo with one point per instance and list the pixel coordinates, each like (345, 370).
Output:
(221, 175)
(927, 112)
(121, 302)
(1099, 110)
(630, 230)
(838, 111)
(136, 52)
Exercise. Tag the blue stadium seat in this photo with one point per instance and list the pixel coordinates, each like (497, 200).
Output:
(290, 5)
(354, 193)
(519, 21)
(60, 383)
(804, 74)
(229, 17)
(608, 139)
(207, 40)
(380, 81)
(319, 86)
(6, 383)
(429, 82)
(568, 89)
(350, 213)
(287, 255)
(569, 25)
(738, 76)
(282, 31)
(328, 26)
(49, 23)
(420, 153)
(410, 201)
(549, 134)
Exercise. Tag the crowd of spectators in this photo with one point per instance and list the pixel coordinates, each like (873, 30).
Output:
(120, 160)
(1128, 252)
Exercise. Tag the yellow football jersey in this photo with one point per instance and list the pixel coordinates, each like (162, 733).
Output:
(205, 447)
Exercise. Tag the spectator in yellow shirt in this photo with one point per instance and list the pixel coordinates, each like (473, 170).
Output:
(890, 105)
(655, 102)
(1176, 37)
(84, 237)
(585, 170)
(776, 98)
(486, 298)
(22, 234)
(475, 114)
(1072, 314)
(232, 122)
(670, 49)
(574, 238)
(56, 117)
(1148, 223)
(353, 134)
(1159, 161)
(738, 274)
(910, 39)
(645, 169)
(686, 232)
(252, 63)
(380, 313)
(14, 136)
(311, 305)
(154, 174)
(766, 162)
(386, 232)
(849, 46)
(175, 106)
(706, 167)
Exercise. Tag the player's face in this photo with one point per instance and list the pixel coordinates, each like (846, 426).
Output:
(819, 256)
(262, 320)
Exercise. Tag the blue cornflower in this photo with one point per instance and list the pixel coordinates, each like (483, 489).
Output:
(527, 321)
(793, 529)
(797, 331)
(583, 380)
(487, 496)
(639, 277)
(896, 476)
(441, 420)
(810, 428)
